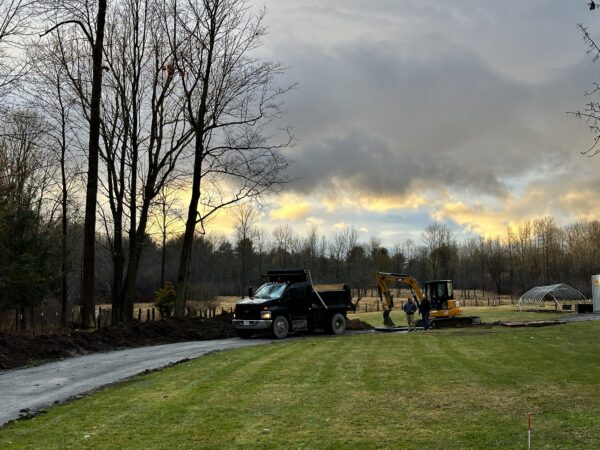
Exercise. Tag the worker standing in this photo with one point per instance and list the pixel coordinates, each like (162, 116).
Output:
(410, 308)
(424, 309)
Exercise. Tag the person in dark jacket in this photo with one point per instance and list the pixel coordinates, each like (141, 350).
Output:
(424, 309)
(410, 308)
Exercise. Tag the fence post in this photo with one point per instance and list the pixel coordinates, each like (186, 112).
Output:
(147, 315)
(139, 314)
(153, 314)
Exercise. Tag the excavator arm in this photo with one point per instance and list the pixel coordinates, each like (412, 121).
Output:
(383, 278)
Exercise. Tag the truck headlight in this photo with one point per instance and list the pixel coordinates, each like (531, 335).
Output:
(265, 314)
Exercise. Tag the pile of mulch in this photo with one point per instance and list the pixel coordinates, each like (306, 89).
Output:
(18, 351)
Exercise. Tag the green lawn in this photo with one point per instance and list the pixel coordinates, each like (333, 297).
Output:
(453, 388)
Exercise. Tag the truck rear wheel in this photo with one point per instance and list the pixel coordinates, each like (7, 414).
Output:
(337, 324)
(280, 327)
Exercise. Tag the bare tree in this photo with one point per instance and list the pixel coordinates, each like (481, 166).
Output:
(496, 259)
(438, 240)
(79, 14)
(166, 216)
(284, 243)
(230, 103)
(245, 217)
(398, 258)
(311, 247)
(144, 129)
(338, 251)
(51, 96)
(14, 22)
(547, 234)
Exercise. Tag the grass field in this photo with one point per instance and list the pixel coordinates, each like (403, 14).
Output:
(453, 388)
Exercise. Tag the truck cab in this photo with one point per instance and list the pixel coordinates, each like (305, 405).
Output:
(289, 302)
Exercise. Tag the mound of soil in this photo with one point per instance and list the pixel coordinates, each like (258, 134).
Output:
(18, 351)
(357, 324)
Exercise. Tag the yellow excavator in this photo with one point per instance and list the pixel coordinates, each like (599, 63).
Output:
(445, 311)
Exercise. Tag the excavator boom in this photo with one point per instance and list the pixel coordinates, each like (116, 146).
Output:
(383, 278)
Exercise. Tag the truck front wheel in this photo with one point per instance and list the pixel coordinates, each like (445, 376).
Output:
(337, 324)
(280, 327)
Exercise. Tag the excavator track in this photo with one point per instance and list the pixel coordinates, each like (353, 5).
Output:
(450, 322)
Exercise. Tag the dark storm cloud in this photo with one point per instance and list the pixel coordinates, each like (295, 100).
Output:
(360, 162)
(365, 115)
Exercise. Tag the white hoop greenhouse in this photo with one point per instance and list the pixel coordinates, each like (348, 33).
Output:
(556, 293)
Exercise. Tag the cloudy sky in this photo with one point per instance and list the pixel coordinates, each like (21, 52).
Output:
(409, 112)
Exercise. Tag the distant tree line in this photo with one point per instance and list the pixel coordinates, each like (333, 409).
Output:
(533, 253)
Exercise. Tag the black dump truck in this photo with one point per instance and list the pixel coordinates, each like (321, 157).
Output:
(289, 302)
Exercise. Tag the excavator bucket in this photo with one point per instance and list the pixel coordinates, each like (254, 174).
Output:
(387, 320)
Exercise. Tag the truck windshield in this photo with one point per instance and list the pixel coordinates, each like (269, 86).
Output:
(270, 291)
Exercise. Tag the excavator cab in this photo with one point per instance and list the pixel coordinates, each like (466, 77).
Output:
(439, 292)
(441, 296)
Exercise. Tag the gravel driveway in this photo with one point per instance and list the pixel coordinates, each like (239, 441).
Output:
(25, 391)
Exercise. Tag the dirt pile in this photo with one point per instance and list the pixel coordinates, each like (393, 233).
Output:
(18, 351)
(357, 324)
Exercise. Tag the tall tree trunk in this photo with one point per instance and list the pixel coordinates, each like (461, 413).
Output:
(136, 251)
(118, 259)
(163, 256)
(89, 238)
(192, 217)
(188, 241)
(135, 242)
(64, 294)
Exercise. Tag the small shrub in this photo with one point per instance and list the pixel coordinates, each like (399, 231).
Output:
(164, 299)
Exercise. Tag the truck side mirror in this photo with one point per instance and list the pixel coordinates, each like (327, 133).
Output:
(250, 293)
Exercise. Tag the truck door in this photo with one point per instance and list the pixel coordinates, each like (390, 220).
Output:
(297, 301)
